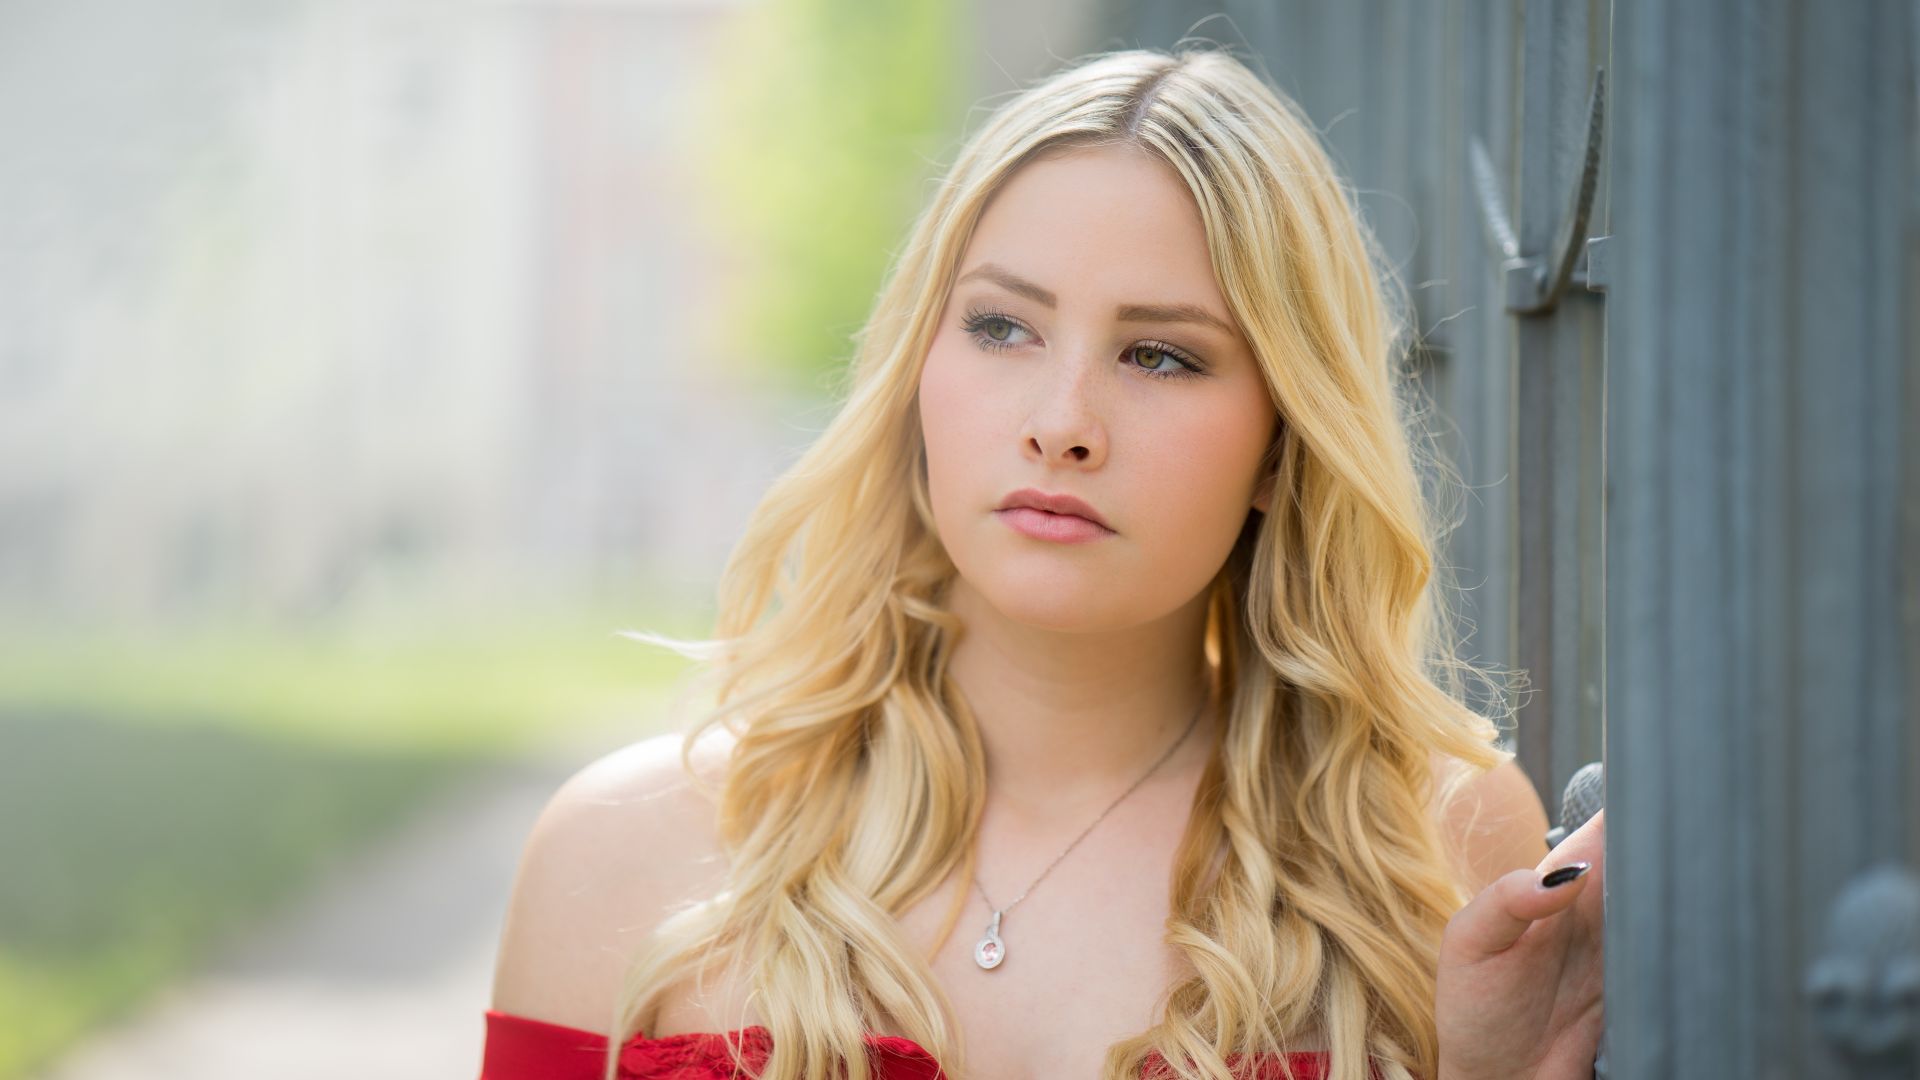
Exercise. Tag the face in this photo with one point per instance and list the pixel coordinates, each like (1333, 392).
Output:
(1075, 356)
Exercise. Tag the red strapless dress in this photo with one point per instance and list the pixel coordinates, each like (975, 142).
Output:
(521, 1048)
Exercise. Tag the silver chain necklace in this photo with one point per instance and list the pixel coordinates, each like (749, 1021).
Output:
(989, 951)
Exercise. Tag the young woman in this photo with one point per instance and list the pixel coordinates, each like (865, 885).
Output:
(1085, 701)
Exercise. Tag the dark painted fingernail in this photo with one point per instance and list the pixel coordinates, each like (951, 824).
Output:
(1565, 874)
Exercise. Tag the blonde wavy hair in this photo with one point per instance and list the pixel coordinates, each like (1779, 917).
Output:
(1312, 883)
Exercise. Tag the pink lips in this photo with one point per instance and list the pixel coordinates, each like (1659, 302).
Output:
(1061, 528)
(1047, 516)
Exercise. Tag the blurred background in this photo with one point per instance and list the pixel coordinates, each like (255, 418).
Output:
(365, 366)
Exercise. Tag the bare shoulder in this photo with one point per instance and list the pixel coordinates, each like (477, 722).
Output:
(622, 844)
(1494, 824)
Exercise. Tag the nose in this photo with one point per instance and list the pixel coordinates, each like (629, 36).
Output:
(1066, 425)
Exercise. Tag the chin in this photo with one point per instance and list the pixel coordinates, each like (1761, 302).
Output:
(1058, 603)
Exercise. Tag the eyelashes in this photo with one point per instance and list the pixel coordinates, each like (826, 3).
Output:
(978, 320)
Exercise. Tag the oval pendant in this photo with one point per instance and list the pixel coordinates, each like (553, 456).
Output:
(990, 950)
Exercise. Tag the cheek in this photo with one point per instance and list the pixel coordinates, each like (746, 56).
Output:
(1200, 465)
(952, 416)
(1197, 478)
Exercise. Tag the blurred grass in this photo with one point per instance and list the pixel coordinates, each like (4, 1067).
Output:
(158, 791)
(393, 682)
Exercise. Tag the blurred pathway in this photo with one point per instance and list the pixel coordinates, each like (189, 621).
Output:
(385, 971)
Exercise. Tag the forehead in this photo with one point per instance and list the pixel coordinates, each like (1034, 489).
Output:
(1100, 225)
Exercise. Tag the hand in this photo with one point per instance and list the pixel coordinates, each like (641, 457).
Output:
(1519, 994)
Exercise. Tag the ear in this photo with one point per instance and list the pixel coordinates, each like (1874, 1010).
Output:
(1263, 494)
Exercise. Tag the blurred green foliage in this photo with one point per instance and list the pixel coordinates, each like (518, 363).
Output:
(159, 791)
(818, 134)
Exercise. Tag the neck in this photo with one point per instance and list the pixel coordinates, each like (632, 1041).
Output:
(1070, 720)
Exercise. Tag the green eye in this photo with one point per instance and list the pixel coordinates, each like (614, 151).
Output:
(981, 326)
(1183, 366)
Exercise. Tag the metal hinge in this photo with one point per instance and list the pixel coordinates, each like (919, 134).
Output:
(1534, 283)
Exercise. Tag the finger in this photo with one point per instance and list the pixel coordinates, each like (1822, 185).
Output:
(1491, 922)
(1588, 843)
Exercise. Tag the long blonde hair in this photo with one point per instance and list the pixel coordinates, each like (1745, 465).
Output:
(1312, 883)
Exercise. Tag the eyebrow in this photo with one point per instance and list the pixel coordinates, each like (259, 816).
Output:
(1162, 313)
